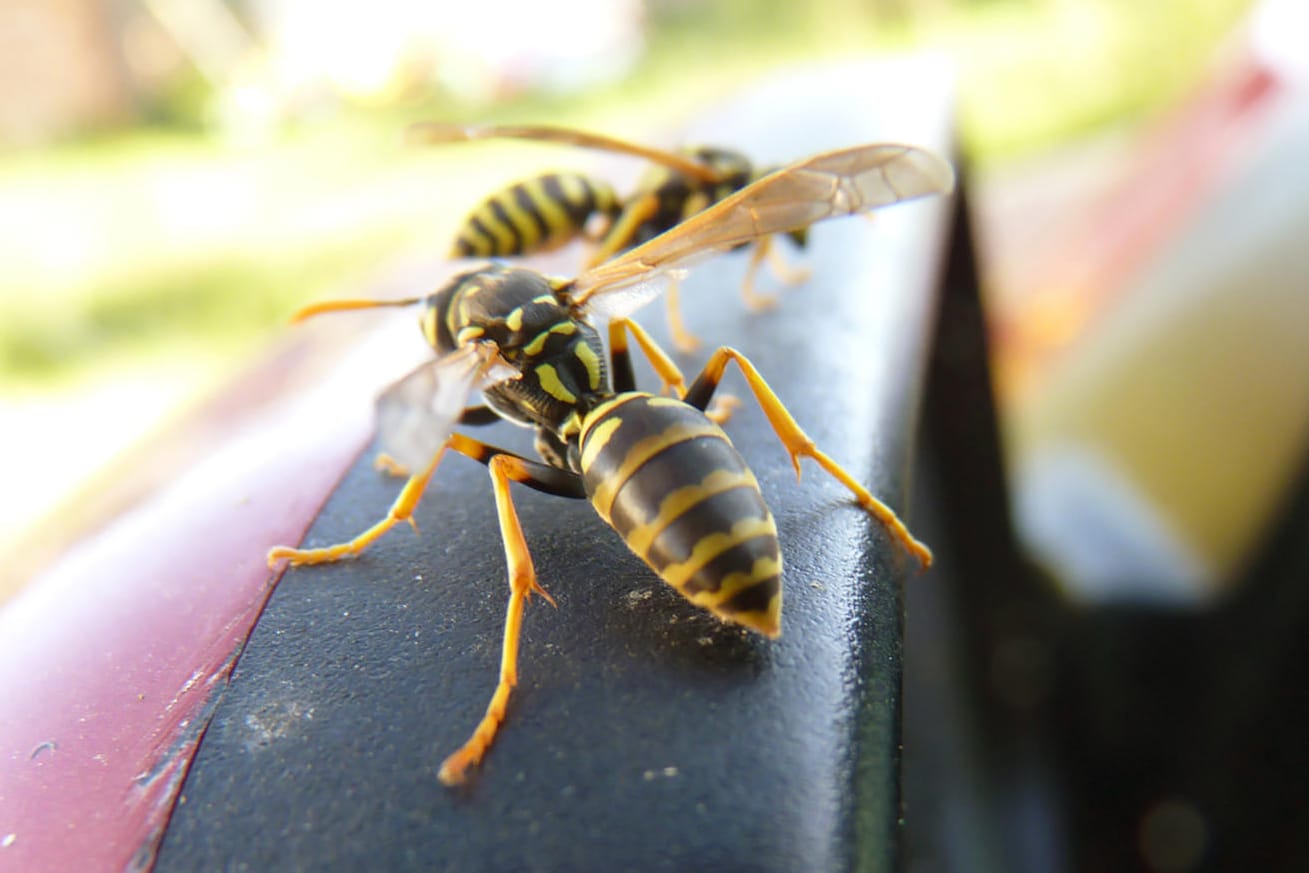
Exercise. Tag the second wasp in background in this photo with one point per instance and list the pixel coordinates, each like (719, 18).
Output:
(551, 210)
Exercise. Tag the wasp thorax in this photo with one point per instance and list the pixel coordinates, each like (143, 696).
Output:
(522, 312)
(732, 167)
(507, 306)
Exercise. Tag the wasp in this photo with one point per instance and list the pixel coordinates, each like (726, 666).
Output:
(658, 469)
(548, 211)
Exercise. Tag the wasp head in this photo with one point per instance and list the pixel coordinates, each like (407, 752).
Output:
(528, 318)
(504, 305)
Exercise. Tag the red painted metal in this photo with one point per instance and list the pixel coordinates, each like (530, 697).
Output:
(111, 661)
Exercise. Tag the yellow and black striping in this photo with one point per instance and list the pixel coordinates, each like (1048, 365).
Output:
(657, 469)
(665, 197)
(534, 215)
(669, 481)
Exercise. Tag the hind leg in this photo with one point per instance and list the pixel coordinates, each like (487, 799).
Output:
(797, 442)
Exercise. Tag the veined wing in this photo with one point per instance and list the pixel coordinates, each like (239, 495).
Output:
(417, 414)
(827, 185)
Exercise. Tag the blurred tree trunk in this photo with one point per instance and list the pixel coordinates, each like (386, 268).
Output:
(61, 69)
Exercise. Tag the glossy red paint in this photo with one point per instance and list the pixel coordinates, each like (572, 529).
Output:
(111, 661)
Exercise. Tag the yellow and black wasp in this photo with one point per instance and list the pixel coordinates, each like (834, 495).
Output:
(656, 468)
(547, 211)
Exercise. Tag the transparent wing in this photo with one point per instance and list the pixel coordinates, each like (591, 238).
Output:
(824, 186)
(439, 132)
(417, 414)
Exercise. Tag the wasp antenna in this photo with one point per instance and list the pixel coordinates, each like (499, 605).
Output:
(348, 304)
(427, 132)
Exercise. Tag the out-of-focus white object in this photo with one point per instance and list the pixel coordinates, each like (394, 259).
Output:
(1161, 444)
(1277, 34)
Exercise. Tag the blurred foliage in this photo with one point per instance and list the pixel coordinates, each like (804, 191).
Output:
(181, 104)
(1031, 73)
(233, 296)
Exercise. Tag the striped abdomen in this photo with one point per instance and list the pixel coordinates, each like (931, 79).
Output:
(682, 498)
(534, 216)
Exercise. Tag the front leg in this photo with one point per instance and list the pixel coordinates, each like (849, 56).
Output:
(505, 468)
(542, 477)
(401, 511)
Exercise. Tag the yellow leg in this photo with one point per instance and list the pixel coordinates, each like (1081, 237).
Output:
(522, 583)
(663, 365)
(766, 249)
(685, 341)
(401, 510)
(798, 444)
(721, 410)
(384, 463)
(754, 301)
(785, 273)
(620, 236)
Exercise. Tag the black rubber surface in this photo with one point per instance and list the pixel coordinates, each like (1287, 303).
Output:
(644, 734)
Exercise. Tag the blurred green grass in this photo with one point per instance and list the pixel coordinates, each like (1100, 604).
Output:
(124, 245)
